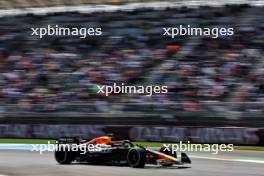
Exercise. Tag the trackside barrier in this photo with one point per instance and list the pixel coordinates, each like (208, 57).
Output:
(243, 136)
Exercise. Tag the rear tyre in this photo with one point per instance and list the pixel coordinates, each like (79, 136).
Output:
(136, 157)
(64, 156)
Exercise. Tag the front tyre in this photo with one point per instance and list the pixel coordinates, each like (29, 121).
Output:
(136, 157)
(64, 157)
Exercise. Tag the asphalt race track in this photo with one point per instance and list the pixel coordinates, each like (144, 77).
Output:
(26, 163)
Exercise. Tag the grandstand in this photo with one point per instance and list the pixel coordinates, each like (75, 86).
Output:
(13, 4)
(7, 4)
(205, 75)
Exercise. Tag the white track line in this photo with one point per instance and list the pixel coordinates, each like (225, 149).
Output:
(229, 159)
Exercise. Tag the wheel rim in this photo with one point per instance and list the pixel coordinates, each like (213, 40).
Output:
(133, 157)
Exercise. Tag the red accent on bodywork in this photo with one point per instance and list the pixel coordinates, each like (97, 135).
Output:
(100, 140)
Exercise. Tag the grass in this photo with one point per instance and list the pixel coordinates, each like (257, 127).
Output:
(26, 141)
(149, 144)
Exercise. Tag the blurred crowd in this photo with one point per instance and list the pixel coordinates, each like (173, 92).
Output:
(61, 73)
(7, 4)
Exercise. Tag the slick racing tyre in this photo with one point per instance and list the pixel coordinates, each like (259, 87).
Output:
(136, 157)
(64, 156)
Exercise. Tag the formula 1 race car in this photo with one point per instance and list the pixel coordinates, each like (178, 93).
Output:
(104, 150)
